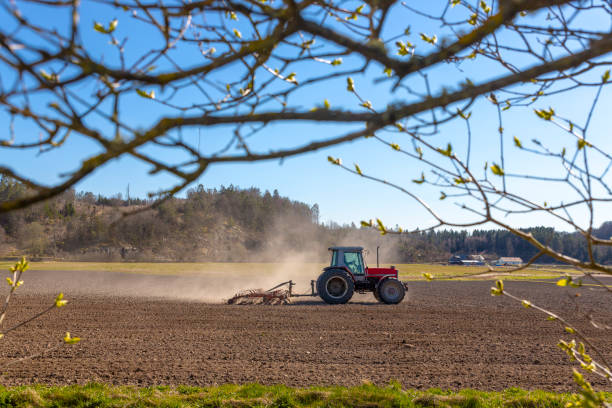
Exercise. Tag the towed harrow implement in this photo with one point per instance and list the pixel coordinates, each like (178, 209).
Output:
(273, 296)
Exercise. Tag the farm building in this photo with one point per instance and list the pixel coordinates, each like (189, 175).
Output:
(509, 261)
(466, 260)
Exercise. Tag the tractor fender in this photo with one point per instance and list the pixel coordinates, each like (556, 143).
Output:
(380, 281)
(335, 268)
(384, 278)
(342, 268)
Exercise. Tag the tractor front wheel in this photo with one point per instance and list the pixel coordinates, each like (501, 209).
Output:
(391, 291)
(335, 287)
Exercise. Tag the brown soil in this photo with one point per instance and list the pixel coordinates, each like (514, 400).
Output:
(445, 334)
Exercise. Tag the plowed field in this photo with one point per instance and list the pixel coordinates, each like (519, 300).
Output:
(444, 334)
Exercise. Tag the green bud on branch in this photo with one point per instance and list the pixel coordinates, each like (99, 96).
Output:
(336, 162)
(59, 300)
(111, 27)
(145, 94)
(350, 84)
(498, 171)
(545, 114)
(71, 340)
(498, 289)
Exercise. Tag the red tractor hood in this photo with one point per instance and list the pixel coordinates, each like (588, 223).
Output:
(380, 272)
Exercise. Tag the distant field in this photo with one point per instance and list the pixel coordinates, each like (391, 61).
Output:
(412, 271)
(407, 271)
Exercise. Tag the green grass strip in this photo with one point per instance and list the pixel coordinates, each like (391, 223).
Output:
(255, 395)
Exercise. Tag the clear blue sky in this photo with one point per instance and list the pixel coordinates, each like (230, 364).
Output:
(342, 197)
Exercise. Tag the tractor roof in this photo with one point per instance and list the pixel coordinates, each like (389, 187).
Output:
(346, 248)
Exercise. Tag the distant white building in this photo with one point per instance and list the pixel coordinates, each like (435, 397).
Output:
(467, 260)
(509, 261)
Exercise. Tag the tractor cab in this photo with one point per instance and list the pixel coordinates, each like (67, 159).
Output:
(350, 258)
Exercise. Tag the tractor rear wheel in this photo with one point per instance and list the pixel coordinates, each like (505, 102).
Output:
(391, 291)
(335, 287)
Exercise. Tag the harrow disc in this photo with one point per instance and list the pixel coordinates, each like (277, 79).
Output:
(260, 296)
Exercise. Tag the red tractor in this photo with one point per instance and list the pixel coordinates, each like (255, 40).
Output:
(348, 274)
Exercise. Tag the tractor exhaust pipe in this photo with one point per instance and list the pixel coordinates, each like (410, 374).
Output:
(377, 265)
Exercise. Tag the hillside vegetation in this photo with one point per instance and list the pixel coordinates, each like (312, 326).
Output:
(232, 224)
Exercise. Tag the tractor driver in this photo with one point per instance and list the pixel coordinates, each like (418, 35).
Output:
(351, 260)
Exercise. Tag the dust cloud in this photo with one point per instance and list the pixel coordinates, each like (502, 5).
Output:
(211, 286)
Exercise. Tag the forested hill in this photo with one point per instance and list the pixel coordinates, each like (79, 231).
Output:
(231, 224)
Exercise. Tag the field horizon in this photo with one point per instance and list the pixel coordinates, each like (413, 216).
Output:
(410, 271)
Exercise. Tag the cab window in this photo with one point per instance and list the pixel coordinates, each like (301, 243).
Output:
(334, 260)
(353, 261)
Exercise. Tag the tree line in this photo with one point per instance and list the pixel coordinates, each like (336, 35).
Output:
(436, 245)
(233, 224)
